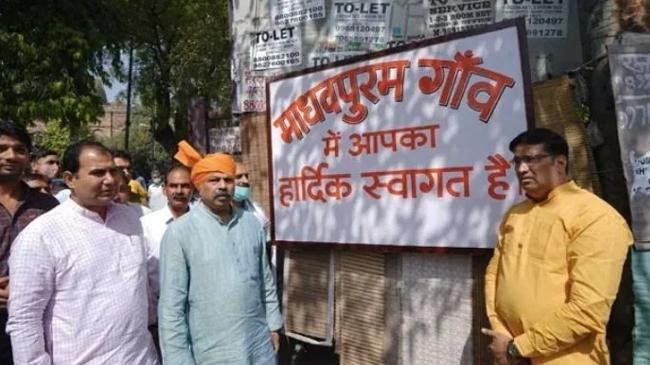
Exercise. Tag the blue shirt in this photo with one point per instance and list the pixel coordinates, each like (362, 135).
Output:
(218, 301)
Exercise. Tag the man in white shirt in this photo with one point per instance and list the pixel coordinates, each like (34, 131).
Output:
(178, 189)
(78, 289)
(157, 198)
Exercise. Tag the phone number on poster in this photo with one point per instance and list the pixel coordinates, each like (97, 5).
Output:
(344, 38)
(544, 20)
(545, 33)
(274, 57)
(361, 28)
(311, 13)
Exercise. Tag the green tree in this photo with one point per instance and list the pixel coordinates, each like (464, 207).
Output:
(145, 151)
(57, 136)
(52, 54)
(182, 52)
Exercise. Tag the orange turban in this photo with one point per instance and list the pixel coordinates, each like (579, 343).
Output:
(202, 166)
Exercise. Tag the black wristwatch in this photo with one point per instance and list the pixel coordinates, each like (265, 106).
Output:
(513, 351)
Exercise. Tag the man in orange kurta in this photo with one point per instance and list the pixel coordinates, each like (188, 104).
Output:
(557, 263)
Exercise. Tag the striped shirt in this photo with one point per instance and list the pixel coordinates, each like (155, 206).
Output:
(32, 204)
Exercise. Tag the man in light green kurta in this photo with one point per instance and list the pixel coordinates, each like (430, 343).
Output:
(218, 303)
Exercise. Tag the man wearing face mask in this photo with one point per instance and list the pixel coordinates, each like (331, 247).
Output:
(157, 198)
(242, 198)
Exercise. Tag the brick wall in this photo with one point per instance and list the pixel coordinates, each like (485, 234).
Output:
(255, 155)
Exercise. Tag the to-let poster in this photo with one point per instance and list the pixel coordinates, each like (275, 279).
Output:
(292, 12)
(450, 16)
(276, 48)
(544, 18)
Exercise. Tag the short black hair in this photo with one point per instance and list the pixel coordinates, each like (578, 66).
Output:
(39, 153)
(176, 166)
(553, 143)
(13, 130)
(122, 154)
(73, 152)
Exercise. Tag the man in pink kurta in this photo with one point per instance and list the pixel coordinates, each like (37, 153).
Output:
(78, 290)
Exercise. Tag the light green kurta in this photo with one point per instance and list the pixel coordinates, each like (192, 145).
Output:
(218, 300)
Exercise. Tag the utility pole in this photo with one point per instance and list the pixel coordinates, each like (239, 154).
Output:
(127, 124)
(206, 127)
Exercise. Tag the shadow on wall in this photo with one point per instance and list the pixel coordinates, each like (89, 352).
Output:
(300, 353)
(435, 302)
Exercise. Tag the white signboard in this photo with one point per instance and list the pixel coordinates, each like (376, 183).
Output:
(406, 149)
(361, 21)
(276, 48)
(544, 18)
(450, 16)
(291, 12)
(630, 67)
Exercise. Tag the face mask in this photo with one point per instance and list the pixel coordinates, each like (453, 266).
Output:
(241, 193)
(157, 180)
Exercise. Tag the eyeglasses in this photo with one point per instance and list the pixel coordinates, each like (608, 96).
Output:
(529, 160)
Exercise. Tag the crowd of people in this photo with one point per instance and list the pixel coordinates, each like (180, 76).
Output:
(93, 270)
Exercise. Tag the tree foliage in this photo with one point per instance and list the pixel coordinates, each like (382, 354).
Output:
(146, 152)
(51, 55)
(57, 136)
(182, 52)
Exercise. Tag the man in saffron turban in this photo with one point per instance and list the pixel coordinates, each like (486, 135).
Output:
(218, 303)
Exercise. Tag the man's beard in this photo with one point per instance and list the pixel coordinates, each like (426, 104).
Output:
(10, 177)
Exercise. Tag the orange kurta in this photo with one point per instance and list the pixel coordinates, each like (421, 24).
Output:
(554, 275)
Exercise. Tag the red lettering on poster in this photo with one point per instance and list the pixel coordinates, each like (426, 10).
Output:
(458, 74)
(344, 88)
(408, 183)
(309, 186)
